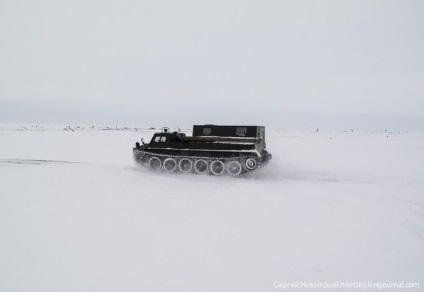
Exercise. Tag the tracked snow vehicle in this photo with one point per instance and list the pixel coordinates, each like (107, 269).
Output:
(212, 149)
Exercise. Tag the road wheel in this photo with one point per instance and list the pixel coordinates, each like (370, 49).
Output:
(234, 168)
(155, 163)
(201, 166)
(185, 165)
(217, 167)
(170, 165)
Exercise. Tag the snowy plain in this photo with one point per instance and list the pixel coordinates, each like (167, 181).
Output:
(77, 214)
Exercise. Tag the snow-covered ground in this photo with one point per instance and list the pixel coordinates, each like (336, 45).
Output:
(76, 214)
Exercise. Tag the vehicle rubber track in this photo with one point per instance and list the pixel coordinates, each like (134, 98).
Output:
(144, 159)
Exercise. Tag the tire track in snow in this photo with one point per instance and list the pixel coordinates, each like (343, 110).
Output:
(37, 161)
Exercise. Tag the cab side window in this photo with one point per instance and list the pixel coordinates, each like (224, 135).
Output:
(207, 131)
(160, 139)
(241, 131)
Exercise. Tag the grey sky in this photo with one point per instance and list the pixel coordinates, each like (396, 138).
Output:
(224, 61)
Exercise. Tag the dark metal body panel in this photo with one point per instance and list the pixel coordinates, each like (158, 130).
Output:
(188, 146)
(226, 131)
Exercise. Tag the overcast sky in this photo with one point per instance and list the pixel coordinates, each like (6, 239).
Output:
(163, 62)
